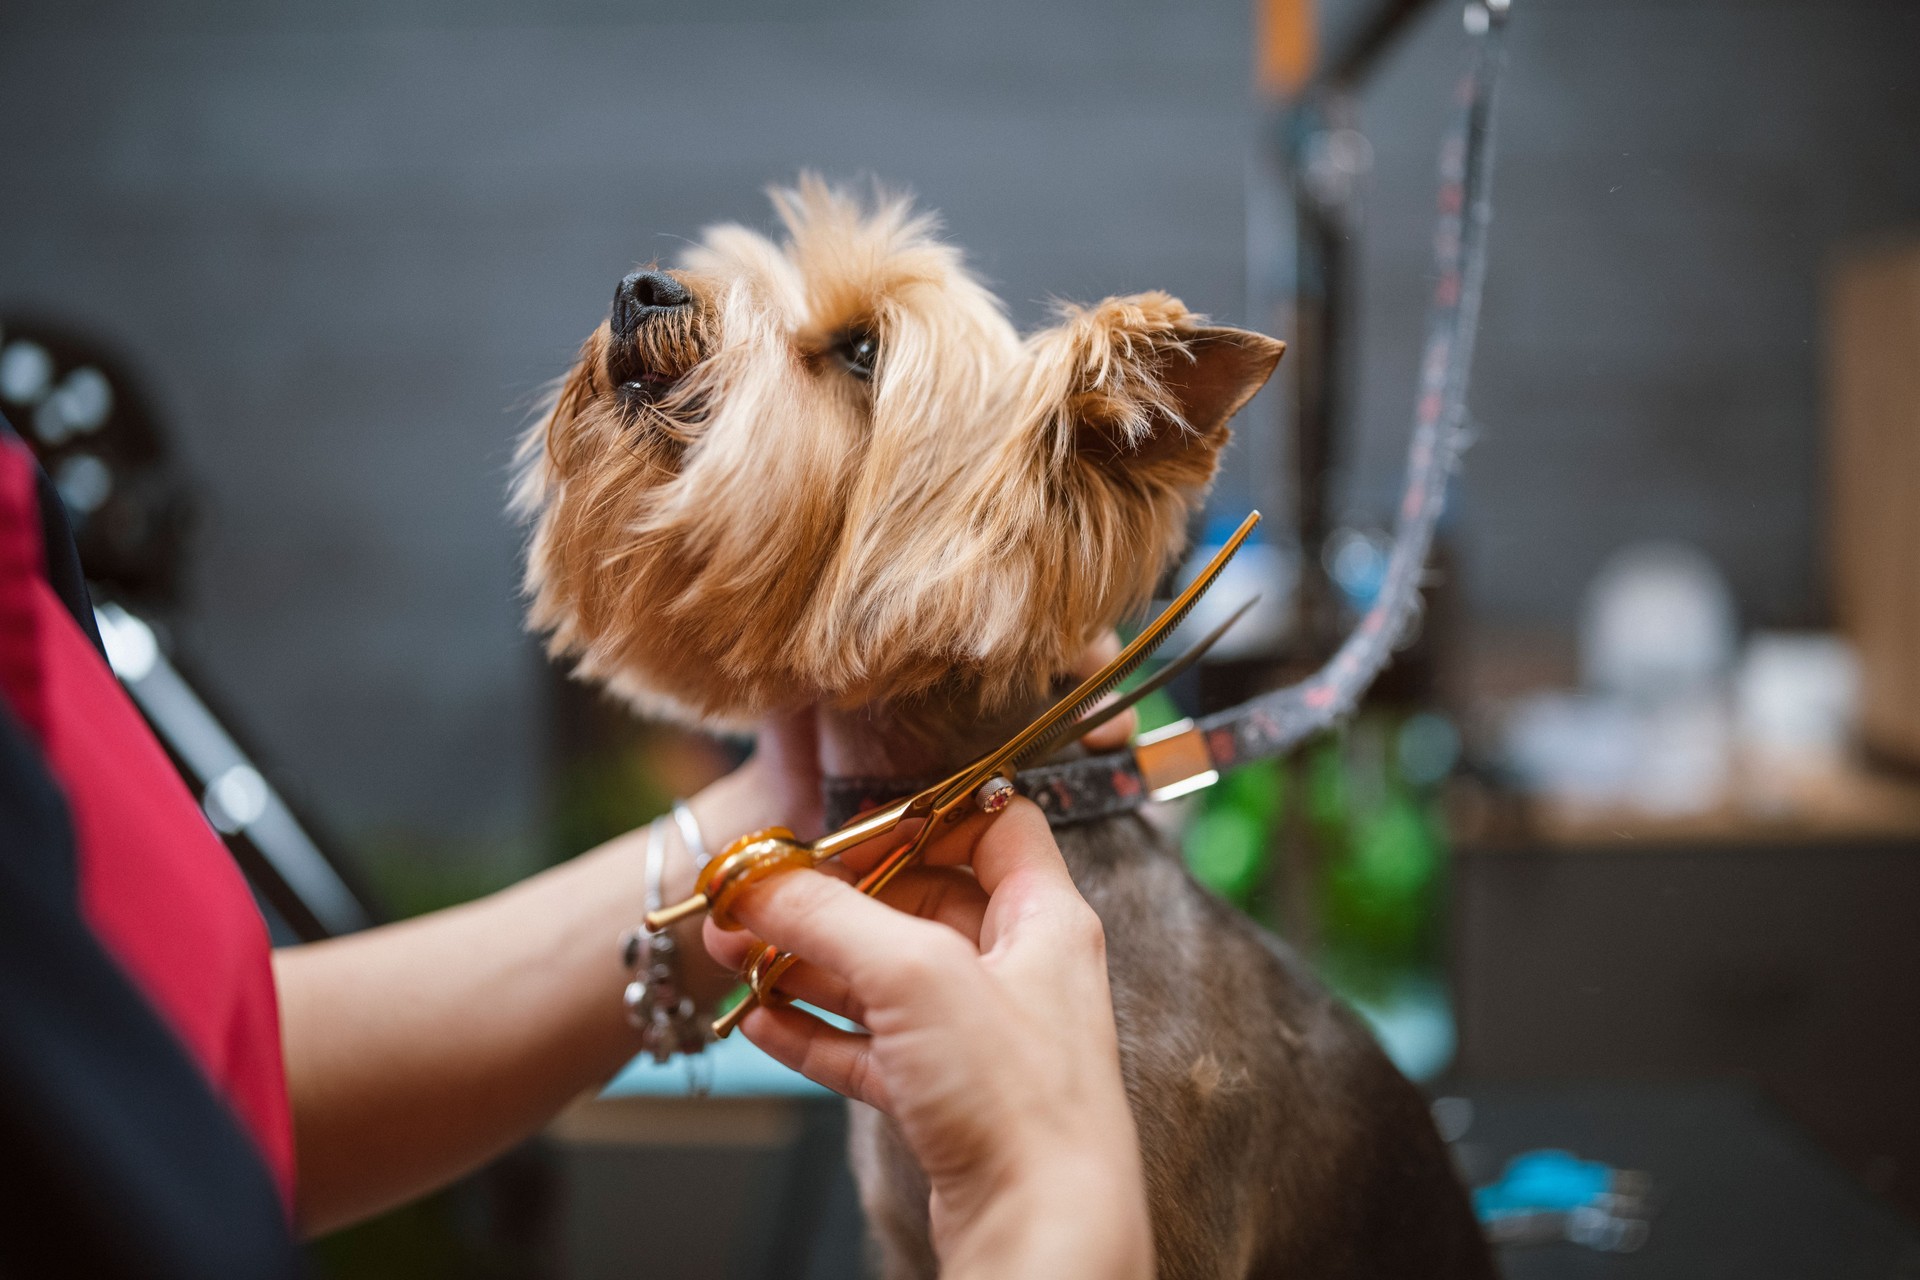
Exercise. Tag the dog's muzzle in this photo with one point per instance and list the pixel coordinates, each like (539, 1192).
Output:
(643, 296)
(652, 335)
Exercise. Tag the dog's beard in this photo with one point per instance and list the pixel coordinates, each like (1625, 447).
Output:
(660, 350)
(646, 375)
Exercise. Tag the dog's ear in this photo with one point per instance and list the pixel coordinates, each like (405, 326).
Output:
(1144, 387)
(1223, 368)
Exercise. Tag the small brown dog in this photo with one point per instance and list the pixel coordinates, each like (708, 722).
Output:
(829, 471)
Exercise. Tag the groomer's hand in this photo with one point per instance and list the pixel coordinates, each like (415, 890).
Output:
(989, 1039)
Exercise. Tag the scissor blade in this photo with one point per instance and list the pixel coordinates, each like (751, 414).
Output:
(1076, 703)
(1027, 746)
(1159, 680)
(866, 827)
(943, 799)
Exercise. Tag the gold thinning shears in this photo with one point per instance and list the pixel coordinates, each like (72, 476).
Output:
(985, 784)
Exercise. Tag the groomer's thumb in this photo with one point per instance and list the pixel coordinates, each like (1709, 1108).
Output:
(1018, 845)
(1035, 917)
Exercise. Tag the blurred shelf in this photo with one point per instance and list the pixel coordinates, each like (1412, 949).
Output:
(739, 1098)
(1845, 804)
(1742, 952)
(715, 1121)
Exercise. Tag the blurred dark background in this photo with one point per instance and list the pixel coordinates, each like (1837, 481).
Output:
(348, 243)
(351, 243)
(345, 245)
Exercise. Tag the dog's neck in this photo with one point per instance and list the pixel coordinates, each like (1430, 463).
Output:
(885, 741)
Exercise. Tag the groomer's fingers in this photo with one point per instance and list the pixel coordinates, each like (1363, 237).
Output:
(1020, 844)
(1115, 733)
(951, 846)
(729, 947)
(788, 746)
(1036, 919)
(879, 951)
(1017, 863)
(828, 922)
(824, 1054)
(954, 846)
(945, 895)
(813, 985)
(864, 856)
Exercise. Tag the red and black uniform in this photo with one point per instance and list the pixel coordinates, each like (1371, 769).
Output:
(144, 1127)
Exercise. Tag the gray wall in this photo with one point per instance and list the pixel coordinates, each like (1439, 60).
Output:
(1673, 176)
(349, 242)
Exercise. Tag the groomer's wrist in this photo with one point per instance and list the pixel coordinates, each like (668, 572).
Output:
(705, 980)
(1063, 1219)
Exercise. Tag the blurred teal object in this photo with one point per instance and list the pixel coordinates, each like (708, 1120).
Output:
(1550, 1181)
(1549, 1195)
(1412, 1018)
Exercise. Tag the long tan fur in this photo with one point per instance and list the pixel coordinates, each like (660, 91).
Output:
(944, 539)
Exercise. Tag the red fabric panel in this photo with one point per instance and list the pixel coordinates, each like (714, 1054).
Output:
(20, 563)
(156, 884)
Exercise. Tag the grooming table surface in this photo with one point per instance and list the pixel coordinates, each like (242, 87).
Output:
(738, 1071)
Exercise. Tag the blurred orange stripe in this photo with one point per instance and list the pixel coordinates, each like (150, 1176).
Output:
(1284, 30)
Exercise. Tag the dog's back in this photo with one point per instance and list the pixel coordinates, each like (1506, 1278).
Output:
(1278, 1140)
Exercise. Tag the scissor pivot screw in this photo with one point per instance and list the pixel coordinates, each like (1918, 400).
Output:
(994, 795)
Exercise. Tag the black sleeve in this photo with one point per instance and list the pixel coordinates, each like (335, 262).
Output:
(62, 560)
(116, 1157)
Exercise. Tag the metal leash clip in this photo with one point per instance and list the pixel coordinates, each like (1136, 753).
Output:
(984, 785)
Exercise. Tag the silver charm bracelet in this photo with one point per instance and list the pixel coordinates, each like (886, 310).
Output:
(657, 1006)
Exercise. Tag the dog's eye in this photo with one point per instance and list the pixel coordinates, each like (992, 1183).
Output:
(856, 351)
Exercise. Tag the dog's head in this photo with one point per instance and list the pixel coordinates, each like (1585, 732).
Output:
(830, 470)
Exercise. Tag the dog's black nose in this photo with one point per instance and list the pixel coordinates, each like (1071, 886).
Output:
(643, 293)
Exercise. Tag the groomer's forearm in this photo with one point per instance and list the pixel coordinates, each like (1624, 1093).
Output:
(417, 1051)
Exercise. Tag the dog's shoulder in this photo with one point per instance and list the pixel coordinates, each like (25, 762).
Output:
(1263, 1101)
